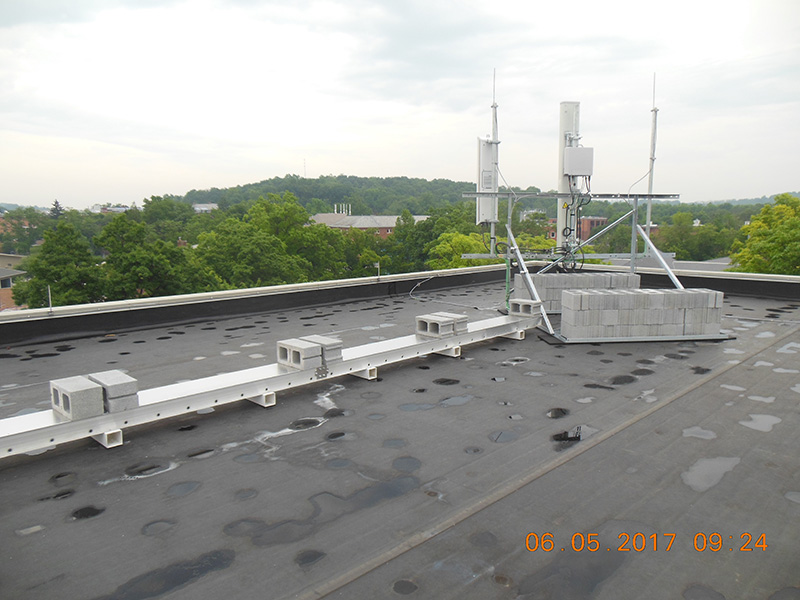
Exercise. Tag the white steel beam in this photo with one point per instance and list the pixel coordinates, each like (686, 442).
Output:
(46, 429)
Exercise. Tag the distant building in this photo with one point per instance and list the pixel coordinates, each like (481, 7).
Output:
(204, 208)
(382, 224)
(107, 208)
(6, 281)
(586, 226)
(11, 261)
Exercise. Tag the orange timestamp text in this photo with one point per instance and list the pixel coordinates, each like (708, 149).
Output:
(641, 542)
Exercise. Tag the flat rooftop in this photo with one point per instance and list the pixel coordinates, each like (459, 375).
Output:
(430, 481)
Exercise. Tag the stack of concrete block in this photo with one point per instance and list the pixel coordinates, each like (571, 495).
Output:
(308, 352)
(120, 391)
(440, 325)
(604, 314)
(550, 285)
(76, 397)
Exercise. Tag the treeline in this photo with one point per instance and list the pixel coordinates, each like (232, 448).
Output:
(166, 248)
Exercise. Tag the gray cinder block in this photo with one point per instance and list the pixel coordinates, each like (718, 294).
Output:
(331, 346)
(115, 383)
(120, 391)
(440, 325)
(299, 354)
(76, 397)
(120, 403)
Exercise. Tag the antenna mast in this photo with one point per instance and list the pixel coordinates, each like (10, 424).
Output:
(654, 110)
(486, 206)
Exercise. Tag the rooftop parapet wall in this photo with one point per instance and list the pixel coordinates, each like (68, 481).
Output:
(83, 320)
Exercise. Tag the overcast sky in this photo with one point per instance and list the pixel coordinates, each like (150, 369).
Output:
(118, 100)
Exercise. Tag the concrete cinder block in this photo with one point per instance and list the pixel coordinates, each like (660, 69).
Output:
(76, 397)
(331, 346)
(115, 383)
(299, 354)
(121, 403)
(459, 321)
(524, 308)
(609, 317)
(570, 299)
(440, 325)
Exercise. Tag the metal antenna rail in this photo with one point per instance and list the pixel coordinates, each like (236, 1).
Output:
(45, 429)
(526, 277)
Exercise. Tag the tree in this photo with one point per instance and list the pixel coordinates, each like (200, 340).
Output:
(773, 240)
(446, 252)
(244, 255)
(57, 210)
(66, 264)
(167, 217)
(24, 226)
(140, 265)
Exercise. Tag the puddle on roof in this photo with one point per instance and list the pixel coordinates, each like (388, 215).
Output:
(245, 494)
(456, 400)
(557, 413)
(404, 587)
(65, 478)
(765, 399)
(700, 370)
(155, 528)
(306, 558)
(62, 495)
(184, 488)
(699, 432)
(327, 507)
(708, 472)
(172, 577)
(763, 423)
(86, 512)
(406, 464)
(597, 386)
(416, 406)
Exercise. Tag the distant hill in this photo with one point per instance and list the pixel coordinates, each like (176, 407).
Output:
(747, 201)
(373, 195)
(366, 195)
